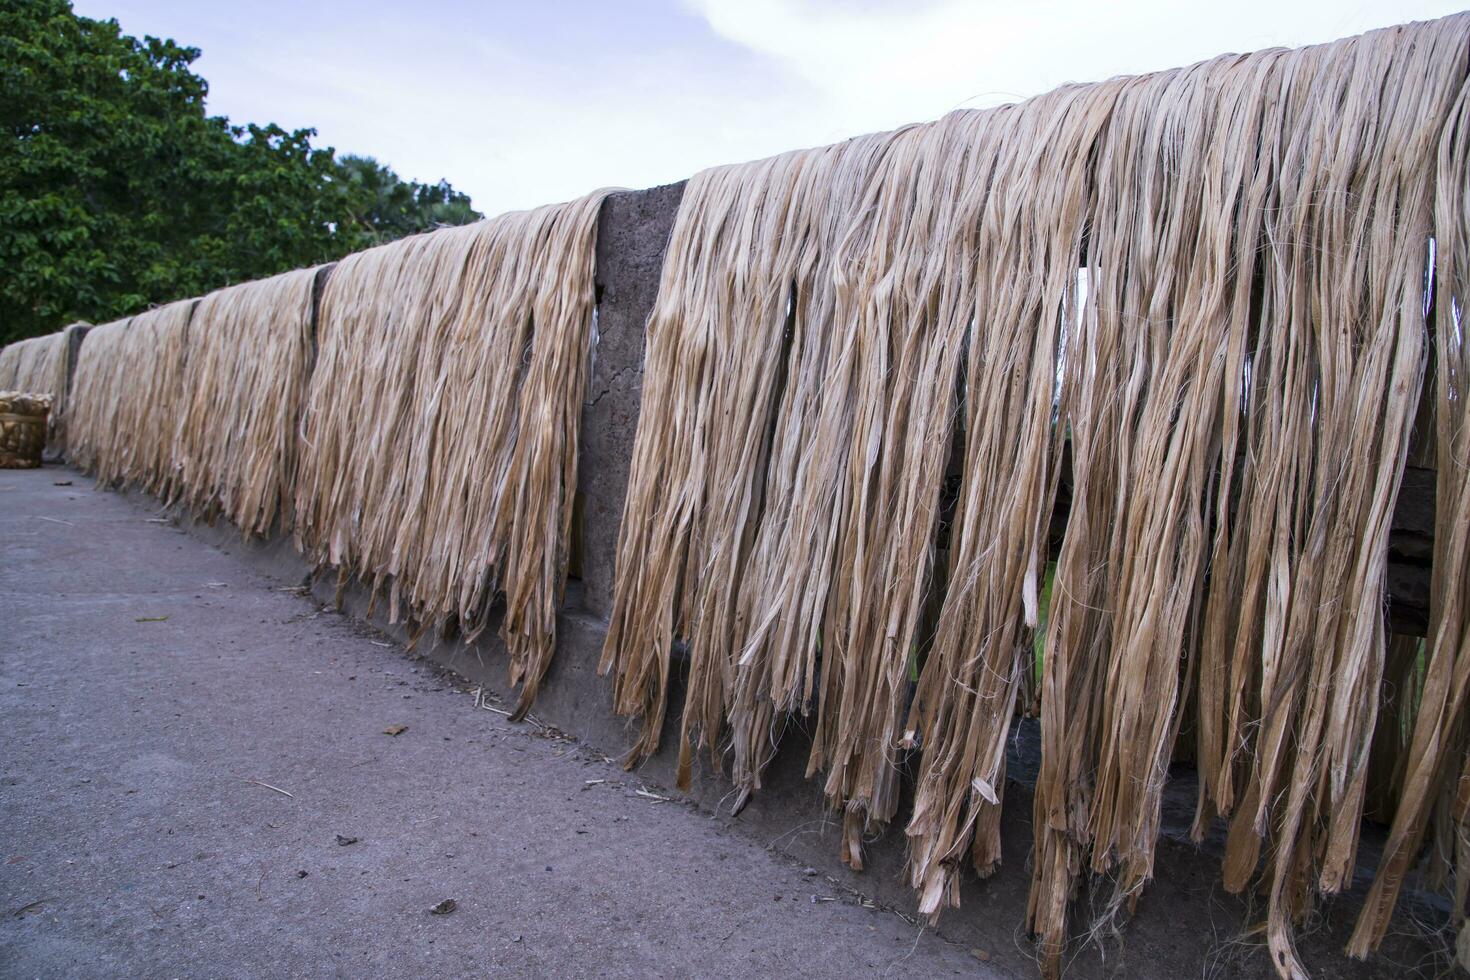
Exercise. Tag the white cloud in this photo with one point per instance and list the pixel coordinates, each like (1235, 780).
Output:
(879, 65)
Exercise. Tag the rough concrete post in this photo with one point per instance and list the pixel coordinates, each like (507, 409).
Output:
(75, 334)
(72, 337)
(632, 232)
(318, 284)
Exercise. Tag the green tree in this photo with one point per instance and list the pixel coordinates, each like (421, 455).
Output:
(385, 207)
(118, 190)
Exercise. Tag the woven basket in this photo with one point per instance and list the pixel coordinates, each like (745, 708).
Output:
(22, 429)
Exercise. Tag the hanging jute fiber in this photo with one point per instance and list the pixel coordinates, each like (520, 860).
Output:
(1234, 373)
(127, 398)
(726, 330)
(440, 433)
(39, 365)
(32, 364)
(243, 387)
(1433, 779)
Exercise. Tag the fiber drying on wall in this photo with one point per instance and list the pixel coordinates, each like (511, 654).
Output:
(1433, 784)
(705, 446)
(440, 433)
(94, 394)
(39, 365)
(127, 397)
(1270, 282)
(34, 364)
(1237, 390)
(243, 385)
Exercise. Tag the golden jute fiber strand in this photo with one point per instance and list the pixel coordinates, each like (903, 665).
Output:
(127, 397)
(244, 385)
(910, 299)
(1338, 326)
(717, 448)
(1436, 764)
(1334, 386)
(1237, 390)
(1160, 338)
(1029, 213)
(440, 433)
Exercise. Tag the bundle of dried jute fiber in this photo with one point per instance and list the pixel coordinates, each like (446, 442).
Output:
(244, 385)
(127, 396)
(39, 364)
(440, 433)
(1435, 776)
(1144, 385)
(1246, 310)
(754, 520)
(94, 395)
(33, 364)
(1291, 639)
(906, 285)
(1028, 212)
(780, 624)
(719, 440)
(61, 375)
(1236, 390)
(22, 428)
(26, 402)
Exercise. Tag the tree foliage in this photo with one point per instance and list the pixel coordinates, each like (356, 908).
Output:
(118, 190)
(386, 207)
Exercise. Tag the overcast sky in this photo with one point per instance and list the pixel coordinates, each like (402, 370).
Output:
(524, 103)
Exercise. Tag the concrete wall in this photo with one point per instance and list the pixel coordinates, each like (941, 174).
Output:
(1185, 924)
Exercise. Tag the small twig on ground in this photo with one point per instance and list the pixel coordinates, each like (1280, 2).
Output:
(18, 913)
(278, 789)
(55, 520)
(482, 700)
(903, 959)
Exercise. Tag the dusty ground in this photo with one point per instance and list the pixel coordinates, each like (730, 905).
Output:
(186, 747)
